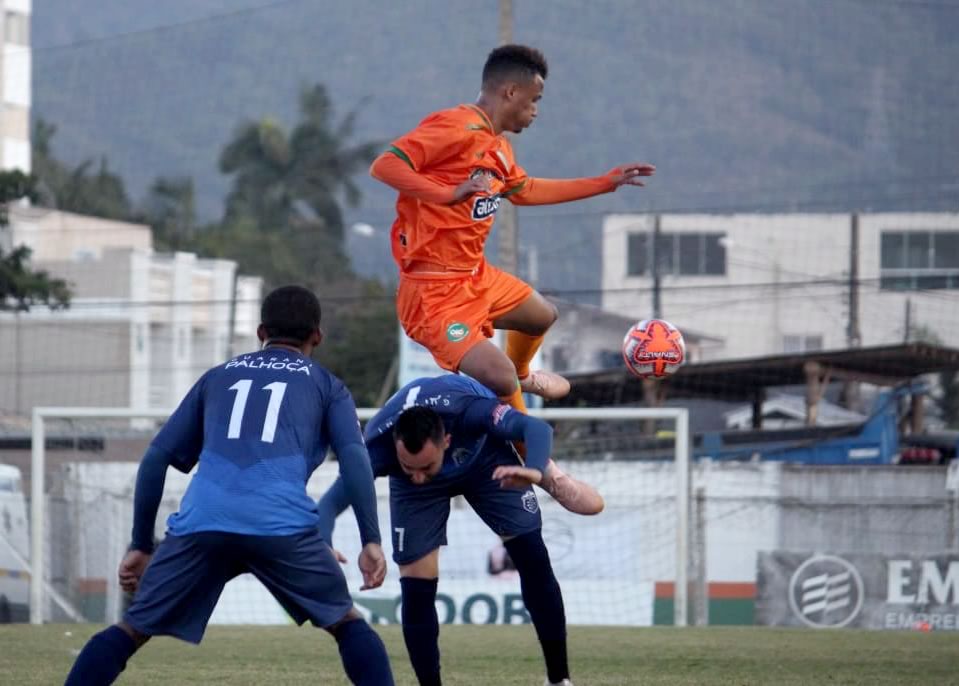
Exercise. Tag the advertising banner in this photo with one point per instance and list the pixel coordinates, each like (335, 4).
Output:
(867, 591)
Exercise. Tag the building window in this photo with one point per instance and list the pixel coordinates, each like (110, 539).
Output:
(677, 254)
(801, 344)
(16, 28)
(918, 260)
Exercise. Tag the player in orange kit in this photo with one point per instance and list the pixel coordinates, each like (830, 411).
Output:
(452, 171)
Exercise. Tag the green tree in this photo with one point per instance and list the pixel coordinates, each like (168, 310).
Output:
(20, 286)
(170, 210)
(291, 184)
(361, 338)
(88, 188)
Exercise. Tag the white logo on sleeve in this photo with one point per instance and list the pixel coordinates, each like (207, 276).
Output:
(499, 412)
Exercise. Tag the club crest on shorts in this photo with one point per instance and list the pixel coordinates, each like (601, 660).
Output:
(456, 332)
(530, 504)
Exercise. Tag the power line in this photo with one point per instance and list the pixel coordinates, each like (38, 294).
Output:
(157, 29)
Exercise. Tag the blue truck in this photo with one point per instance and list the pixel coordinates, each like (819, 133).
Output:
(877, 440)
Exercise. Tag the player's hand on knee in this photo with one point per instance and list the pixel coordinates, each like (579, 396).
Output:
(373, 566)
(132, 566)
(514, 476)
(340, 557)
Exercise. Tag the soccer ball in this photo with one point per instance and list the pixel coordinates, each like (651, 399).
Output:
(653, 348)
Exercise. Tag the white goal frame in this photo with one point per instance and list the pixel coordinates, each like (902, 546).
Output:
(39, 587)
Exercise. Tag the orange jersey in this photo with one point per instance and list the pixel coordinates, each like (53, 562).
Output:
(448, 147)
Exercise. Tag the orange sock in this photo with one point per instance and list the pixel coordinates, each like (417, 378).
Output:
(515, 400)
(520, 348)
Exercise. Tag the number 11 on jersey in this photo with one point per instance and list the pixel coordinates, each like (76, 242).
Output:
(277, 389)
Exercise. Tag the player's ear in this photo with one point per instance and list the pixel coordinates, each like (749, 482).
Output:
(446, 441)
(317, 337)
(261, 333)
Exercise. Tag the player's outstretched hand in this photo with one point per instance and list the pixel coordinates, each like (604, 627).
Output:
(373, 566)
(629, 174)
(478, 184)
(514, 476)
(132, 566)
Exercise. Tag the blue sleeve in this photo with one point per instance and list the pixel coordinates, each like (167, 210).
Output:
(382, 454)
(355, 485)
(356, 477)
(151, 477)
(502, 421)
(337, 498)
(342, 425)
(333, 502)
(182, 436)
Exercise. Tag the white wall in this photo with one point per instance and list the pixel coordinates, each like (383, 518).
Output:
(786, 275)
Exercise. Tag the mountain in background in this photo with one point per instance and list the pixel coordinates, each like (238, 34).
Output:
(752, 105)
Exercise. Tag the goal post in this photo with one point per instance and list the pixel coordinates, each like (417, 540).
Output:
(45, 594)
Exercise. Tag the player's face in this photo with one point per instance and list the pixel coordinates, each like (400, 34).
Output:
(523, 98)
(424, 465)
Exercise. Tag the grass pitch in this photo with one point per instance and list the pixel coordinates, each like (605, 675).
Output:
(505, 655)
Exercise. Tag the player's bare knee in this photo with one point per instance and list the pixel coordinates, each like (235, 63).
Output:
(499, 378)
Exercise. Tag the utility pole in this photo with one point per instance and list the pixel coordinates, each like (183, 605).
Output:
(507, 224)
(907, 324)
(850, 391)
(657, 305)
(853, 334)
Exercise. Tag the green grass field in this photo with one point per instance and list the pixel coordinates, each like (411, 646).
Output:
(509, 655)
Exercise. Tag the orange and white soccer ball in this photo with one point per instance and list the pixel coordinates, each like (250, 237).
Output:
(653, 348)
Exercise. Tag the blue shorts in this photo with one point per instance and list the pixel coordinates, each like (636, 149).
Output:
(418, 514)
(184, 580)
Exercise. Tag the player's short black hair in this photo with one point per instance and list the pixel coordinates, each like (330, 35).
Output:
(512, 61)
(290, 313)
(416, 425)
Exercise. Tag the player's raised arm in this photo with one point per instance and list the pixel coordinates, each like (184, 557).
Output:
(537, 191)
(405, 164)
(396, 173)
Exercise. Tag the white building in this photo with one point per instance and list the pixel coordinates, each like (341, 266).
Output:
(15, 72)
(141, 327)
(775, 283)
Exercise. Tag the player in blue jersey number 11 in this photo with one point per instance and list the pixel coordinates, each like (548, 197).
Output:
(256, 427)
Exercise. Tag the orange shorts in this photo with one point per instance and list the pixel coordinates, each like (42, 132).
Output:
(449, 314)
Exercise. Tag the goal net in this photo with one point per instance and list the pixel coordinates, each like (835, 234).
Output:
(610, 566)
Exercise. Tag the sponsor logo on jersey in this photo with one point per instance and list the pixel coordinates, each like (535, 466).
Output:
(530, 504)
(485, 207)
(456, 332)
(261, 362)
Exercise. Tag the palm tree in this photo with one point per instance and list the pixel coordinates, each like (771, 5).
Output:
(292, 184)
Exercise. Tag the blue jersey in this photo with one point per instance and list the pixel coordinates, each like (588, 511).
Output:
(473, 416)
(258, 425)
